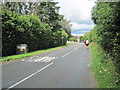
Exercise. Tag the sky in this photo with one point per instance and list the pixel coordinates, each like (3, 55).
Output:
(79, 13)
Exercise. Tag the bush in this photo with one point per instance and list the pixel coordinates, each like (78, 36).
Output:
(23, 29)
(36, 32)
(103, 68)
(28, 29)
(106, 33)
(73, 38)
(65, 37)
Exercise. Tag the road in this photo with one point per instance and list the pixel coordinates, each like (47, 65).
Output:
(67, 67)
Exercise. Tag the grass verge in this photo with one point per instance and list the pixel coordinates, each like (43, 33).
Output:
(14, 57)
(103, 68)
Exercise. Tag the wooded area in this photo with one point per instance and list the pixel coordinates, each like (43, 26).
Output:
(37, 24)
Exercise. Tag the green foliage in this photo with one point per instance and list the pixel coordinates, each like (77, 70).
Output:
(73, 38)
(65, 37)
(107, 19)
(48, 13)
(27, 26)
(66, 26)
(9, 21)
(16, 7)
(35, 31)
(103, 68)
(23, 29)
(87, 36)
(57, 38)
(106, 33)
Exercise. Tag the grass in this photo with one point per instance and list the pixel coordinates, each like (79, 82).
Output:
(14, 57)
(103, 68)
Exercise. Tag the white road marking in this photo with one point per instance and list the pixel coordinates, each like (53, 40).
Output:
(66, 54)
(50, 59)
(29, 76)
(42, 59)
(39, 60)
(69, 52)
(74, 48)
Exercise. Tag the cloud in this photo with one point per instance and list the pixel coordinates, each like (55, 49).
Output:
(77, 26)
(77, 34)
(79, 13)
(77, 10)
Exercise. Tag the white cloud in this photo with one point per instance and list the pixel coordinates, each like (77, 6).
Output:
(79, 13)
(77, 10)
(77, 34)
(77, 26)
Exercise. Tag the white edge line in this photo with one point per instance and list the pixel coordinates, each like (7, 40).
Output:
(29, 76)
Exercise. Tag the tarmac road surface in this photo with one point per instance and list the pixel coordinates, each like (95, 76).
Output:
(67, 67)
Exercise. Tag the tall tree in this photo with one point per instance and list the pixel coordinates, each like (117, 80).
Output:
(66, 26)
(48, 13)
(16, 7)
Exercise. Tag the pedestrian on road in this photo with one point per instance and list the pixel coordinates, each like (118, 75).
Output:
(86, 43)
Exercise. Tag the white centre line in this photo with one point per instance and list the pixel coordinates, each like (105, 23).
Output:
(66, 54)
(74, 48)
(29, 76)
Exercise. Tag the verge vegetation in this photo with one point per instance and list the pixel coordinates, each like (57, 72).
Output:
(14, 57)
(103, 67)
(106, 48)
